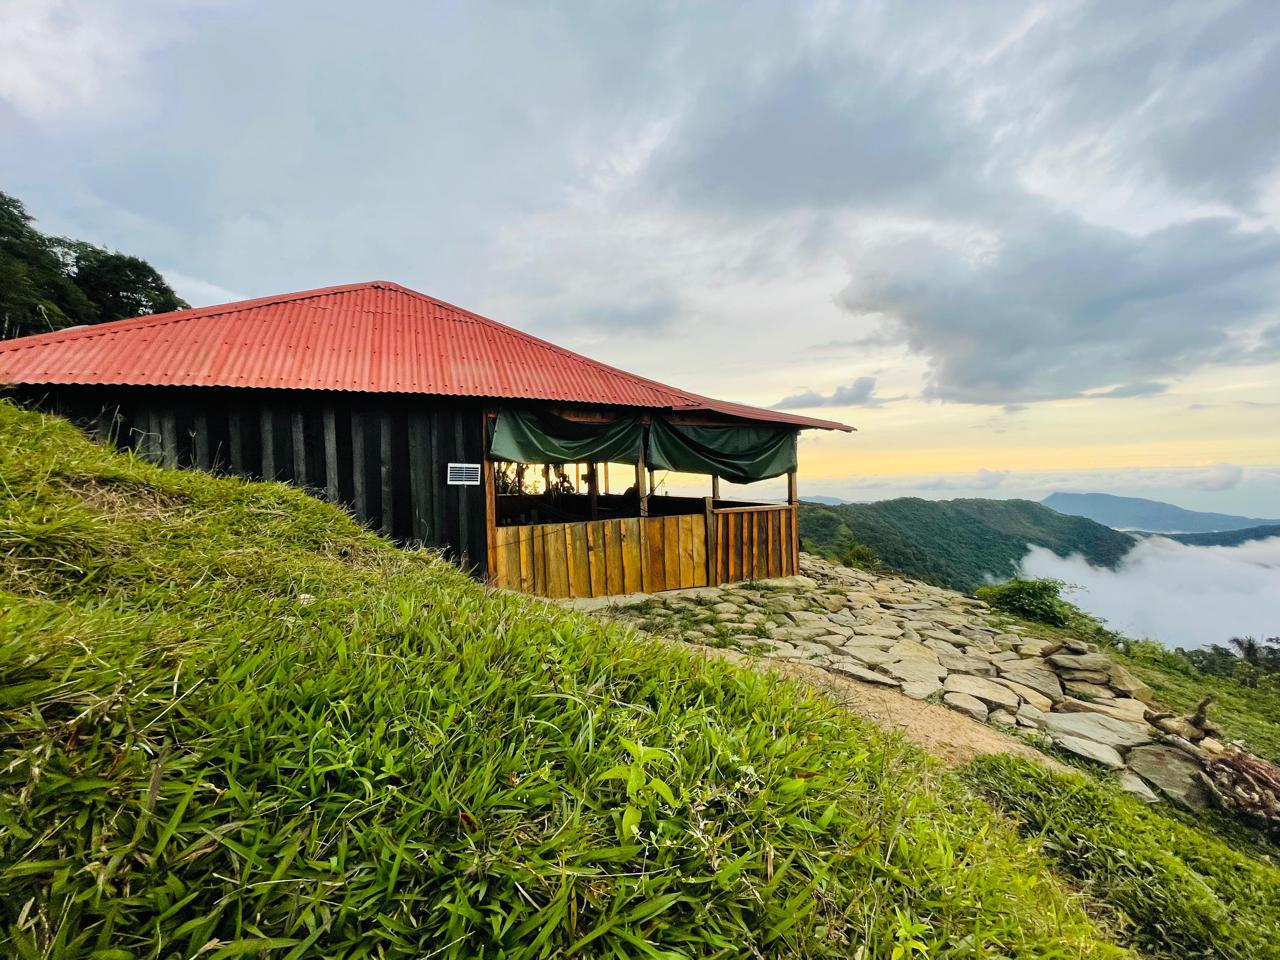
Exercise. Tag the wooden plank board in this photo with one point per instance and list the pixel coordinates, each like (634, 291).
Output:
(671, 551)
(235, 441)
(359, 490)
(631, 561)
(169, 438)
(331, 489)
(385, 477)
(699, 551)
(614, 558)
(579, 566)
(596, 560)
(655, 566)
(686, 551)
(267, 423)
(733, 547)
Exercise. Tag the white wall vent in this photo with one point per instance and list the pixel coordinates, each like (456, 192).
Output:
(463, 475)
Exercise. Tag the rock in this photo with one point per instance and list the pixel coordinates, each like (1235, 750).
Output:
(1179, 727)
(1130, 782)
(868, 656)
(1098, 728)
(1029, 715)
(808, 649)
(1120, 709)
(921, 689)
(911, 649)
(796, 634)
(1125, 682)
(882, 629)
(988, 691)
(806, 618)
(1002, 717)
(940, 646)
(1044, 681)
(831, 604)
(1033, 697)
(782, 604)
(725, 607)
(833, 640)
(1034, 647)
(1173, 773)
(797, 582)
(916, 670)
(966, 704)
(1081, 661)
(960, 663)
(870, 643)
(1091, 750)
(1085, 676)
(849, 669)
(1078, 688)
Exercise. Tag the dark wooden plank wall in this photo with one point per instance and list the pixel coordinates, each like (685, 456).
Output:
(383, 456)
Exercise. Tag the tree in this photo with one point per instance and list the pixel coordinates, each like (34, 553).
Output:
(47, 283)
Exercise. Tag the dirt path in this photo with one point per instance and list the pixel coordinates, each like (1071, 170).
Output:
(946, 734)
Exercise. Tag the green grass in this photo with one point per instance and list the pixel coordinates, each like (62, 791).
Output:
(1178, 891)
(235, 724)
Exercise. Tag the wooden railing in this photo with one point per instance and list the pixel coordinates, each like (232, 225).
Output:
(753, 543)
(600, 558)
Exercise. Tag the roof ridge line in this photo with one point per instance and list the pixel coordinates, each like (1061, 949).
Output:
(91, 330)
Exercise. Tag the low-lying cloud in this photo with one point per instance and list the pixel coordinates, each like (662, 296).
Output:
(1179, 595)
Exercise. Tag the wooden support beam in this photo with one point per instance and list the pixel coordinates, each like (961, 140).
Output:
(200, 441)
(546, 478)
(331, 488)
(792, 496)
(606, 479)
(713, 548)
(359, 476)
(593, 490)
(490, 522)
(641, 492)
(715, 487)
(298, 428)
(266, 424)
(386, 475)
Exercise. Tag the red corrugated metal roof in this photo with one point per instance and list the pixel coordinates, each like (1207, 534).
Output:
(374, 337)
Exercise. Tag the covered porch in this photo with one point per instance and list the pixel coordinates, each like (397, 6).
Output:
(573, 510)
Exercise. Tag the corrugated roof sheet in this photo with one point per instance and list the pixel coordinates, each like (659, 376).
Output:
(374, 337)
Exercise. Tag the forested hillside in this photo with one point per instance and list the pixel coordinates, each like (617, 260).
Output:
(47, 283)
(1226, 538)
(955, 543)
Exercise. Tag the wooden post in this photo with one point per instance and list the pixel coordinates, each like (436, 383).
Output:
(266, 426)
(641, 492)
(386, 476)
(546, 479)
(606, 479)
(715, 487)
(652, 483)
(593, 490)
(490, 523)
(793, 499)
(200, 441)
(713, 548)
(331, 454)
(299, 429)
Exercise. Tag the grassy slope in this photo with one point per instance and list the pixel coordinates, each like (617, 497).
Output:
(233, 723)
(1178, 890)
(956, 543)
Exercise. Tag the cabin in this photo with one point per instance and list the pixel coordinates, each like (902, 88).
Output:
(528, 464)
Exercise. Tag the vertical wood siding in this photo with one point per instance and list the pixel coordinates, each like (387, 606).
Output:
(383, 457)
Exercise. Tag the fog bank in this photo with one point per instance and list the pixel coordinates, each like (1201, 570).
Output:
(1180, 595)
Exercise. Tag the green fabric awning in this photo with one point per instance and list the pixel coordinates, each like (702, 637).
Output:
(738, 454)
(527, 436)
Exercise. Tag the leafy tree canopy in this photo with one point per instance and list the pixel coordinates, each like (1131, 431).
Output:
(47, 283)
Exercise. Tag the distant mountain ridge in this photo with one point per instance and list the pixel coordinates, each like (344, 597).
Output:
(1154, 516)
(1225, 538)
(960, 544)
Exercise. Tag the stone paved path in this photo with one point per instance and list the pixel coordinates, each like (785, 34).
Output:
(916, 643)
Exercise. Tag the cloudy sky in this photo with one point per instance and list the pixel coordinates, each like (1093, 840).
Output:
(1022, 246)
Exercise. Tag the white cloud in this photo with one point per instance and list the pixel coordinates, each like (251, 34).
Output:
(1220, 476)
(1182, 596)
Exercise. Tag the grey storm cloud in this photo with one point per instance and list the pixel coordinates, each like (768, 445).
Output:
(1063, 307)
(706, 145)
(860, 393)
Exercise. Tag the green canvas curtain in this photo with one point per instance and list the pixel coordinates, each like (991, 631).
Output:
(527, 436)
(738, 454)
